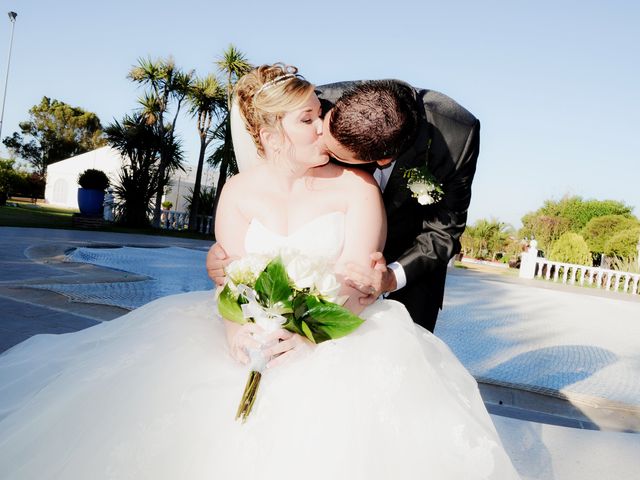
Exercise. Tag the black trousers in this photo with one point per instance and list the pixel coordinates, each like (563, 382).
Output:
(423, 298)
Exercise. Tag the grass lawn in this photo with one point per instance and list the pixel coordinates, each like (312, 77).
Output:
(27, 214)
(486, 268)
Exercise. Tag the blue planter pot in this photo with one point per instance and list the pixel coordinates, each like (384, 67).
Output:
(90, 201)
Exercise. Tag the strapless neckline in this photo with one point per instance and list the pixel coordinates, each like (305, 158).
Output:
(322, 236)
(301, 228)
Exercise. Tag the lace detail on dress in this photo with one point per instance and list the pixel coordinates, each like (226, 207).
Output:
(321, 237)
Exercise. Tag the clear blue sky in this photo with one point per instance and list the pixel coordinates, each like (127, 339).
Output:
(556, 84)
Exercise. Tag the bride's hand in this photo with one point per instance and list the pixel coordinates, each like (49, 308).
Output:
(287, 346)
(241, 340)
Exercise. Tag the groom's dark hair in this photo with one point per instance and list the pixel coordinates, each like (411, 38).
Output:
(375, 119)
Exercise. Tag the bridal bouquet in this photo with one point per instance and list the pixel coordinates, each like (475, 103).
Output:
(290, 291)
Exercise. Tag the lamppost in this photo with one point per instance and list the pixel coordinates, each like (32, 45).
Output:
(12, 19)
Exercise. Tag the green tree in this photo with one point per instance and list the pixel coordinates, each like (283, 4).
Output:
(168, 88)
(485, 238)
(8, 175)
(55, 131)
(600, 229)
(544, 228)
(570, 214)
(232, 65)
(623, 244)
(208, 105)
(571, 248)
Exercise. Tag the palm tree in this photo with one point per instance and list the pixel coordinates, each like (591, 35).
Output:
(233, 65)
(207, 100)
(168, 85)
(486, 237)
(138, 144)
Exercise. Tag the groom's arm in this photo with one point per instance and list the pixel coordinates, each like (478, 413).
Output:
(445, 222)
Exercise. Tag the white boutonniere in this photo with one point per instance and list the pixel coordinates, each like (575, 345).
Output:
(423, 185)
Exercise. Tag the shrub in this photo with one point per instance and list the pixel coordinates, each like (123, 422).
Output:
(623, 244)
(207, 197)
(17, 183)
(35, 185)
(9, 177)
(630, 265)
(167, 205)
(93, 179)
(600, 229)
(571, 248)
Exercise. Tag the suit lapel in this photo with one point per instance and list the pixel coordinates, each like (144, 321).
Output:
(397, 191)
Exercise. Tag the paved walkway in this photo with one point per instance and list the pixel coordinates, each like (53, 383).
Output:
(30, 257)
(546, 356)
(564, 350)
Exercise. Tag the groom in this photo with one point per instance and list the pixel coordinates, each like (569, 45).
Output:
(389, 125)
(402, 128)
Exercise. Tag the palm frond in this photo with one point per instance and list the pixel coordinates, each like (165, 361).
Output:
(233, 62)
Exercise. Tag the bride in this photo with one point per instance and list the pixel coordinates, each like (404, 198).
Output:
(153, 394)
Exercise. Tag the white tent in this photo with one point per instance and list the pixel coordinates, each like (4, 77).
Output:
(62, 178)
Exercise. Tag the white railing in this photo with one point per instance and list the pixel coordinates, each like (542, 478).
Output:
(172, 220)
(569, 273)
(533, 266)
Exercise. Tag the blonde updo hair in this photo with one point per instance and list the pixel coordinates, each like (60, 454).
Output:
(266, 93)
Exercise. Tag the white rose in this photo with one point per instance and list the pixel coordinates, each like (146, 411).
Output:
(328, 286)
(247, 269)
(303, 271)
(425, 199)
(419, 188)
(287, 254)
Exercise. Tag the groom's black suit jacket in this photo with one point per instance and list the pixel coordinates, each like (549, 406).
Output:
(424, 238)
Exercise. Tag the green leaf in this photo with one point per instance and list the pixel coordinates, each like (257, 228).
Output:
(293, 325)
(273, 283)
(286, 307)
(307, 331)
(299, 305)
(327, 320)
(228, 306)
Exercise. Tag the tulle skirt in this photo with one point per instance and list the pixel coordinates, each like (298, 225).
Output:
(153, 395)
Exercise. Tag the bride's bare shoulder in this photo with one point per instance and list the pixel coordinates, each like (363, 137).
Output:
(247, 179)
(358, 179)
(347, 176)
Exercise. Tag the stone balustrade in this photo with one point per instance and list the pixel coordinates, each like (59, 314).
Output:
(172, 220)
(533, 266)
(568, 273)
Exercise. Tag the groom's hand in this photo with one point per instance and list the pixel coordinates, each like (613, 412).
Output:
(372, 281)
(217, 260)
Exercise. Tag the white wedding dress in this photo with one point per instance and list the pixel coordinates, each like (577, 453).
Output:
(153, 395)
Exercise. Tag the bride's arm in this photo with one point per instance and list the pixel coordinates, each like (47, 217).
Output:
(365, 230)
(231, 224)
(231, 227)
